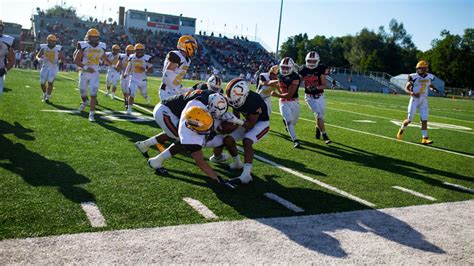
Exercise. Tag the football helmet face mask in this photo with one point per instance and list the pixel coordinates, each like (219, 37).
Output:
(422, 67)
(139, 50)
(214, 83)
(237, 91)
(217, 105)
(130, 49)
(51, 41)
(188, 45)
(273, 72)
(93, 37)
(287, 66)
(115, 49)
(312, 60)
(198, 119)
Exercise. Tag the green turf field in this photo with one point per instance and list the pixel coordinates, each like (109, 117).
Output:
(50, 162)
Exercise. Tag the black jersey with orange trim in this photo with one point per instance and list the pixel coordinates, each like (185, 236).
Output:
(312, 78)
(286, 81)
(177, 103)
(254, 104)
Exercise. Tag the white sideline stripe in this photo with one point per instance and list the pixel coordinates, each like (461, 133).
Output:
(116, 97)
(317, 182)
(459, 187)
(389, 138)
(283, 202)
(200, 208)
(93, 214)
(418, 194)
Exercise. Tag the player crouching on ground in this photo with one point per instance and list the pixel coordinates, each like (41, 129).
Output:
(417, 87)
(87, 57)
(263, 87)
(314, 78)
(255, 127)
(194, 132)
(112, 73)
(139, 64)
(49, 55)
(121, 66)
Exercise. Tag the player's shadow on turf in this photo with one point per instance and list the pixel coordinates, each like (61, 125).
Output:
(388, 164)
(38, 170)
(314, 231)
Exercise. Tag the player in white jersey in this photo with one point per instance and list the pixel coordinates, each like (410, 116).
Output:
(87, 57)
(176, 66)
(49, 55)
(7, 55)
(139, 64)
(418, 86)
(264, 88)
(112, 73)
(121, 66)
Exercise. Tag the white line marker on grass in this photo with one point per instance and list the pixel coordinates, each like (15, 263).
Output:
(310, 179)
(459, 187)
(200, 208)
(418, 194)
(283, 202)
(93, 214)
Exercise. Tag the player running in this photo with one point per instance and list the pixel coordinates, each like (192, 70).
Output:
(264, 88)
(112, 72)
(49, 55)
(314, 78)
(121, 66)
(418, 86)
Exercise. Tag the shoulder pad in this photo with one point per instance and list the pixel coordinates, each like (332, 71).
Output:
(83, 44)
(7, 39)
(147, 57)
(131, 57)
(43, 46)
(102, 45)
(58, 47)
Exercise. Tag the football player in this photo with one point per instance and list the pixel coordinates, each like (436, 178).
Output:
(121, 66)
(418, 86)
(49, 55)
(176, 66)
(7, 55)
(214, 83)
(314, 79)
(255, 127)
(264, 88)
(168, 112)
(87, 57)
(139, 64)
(288, 81)
(112, 73)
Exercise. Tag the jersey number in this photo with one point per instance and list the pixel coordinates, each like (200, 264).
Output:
(93, 57)
(423, 86)
(180, 76)
(50, 56)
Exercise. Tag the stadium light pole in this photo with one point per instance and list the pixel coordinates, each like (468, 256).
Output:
(279, 27)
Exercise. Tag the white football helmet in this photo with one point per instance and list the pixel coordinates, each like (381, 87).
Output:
(287, 66)
(217, 105)
(312, 60)
(214, 83)
(236, 92)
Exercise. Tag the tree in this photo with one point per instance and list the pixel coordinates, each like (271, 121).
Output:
(57, 11)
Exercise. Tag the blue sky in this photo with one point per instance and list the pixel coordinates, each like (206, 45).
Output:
(423, 19)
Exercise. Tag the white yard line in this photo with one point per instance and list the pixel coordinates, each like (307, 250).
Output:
(93, 214)
(470, 190)
(284, 202)
(389, 138)
(418, 194)
(312, 180)
(200, 208)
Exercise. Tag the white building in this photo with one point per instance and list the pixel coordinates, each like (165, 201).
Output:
(402, 79)
(159, 22)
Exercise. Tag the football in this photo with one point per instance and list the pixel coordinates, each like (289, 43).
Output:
(227, 127)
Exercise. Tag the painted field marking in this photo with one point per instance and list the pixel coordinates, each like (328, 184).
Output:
(364, 121)
(470, 190)
(93, 214)
(389, 138)
(200, 208)
(418, 194)
(312, 180)
(283, 202)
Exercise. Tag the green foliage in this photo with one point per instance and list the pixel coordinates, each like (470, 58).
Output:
(58, 10)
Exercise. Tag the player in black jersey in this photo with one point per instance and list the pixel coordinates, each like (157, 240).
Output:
(314, 78)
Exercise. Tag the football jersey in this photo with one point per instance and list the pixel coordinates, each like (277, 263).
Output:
(312, 78)
(286, 81)
(177, 103)
(264, 91)
(124, 60)
(50, 55)
(200, 86)
(6, 42)
(138, 65)
(113, 58)
(254, 104)
(183, 65)
(92, 55)
(421, 84)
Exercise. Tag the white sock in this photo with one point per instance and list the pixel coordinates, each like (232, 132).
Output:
(424, 133)
(151, 141)
(91, 113)
(158, 160)
(247, 169)
(236, 159)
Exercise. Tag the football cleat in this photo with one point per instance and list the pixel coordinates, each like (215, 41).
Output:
(426, 141)
(153, 163)
(112, 95)
(219, 159)
(161, 171)
(400, 134)
(91, 117)
(108, 93)
(160, 147)
(242, 179)
(236, 165)
(326, 139)
(140, 145)
(129, 110)
(82, 106)
(318, 133)
(297, 144)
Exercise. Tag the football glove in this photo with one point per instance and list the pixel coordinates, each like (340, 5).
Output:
(231, 118)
